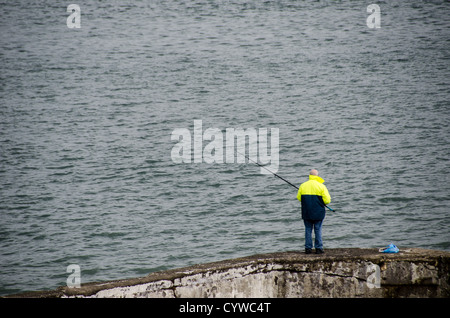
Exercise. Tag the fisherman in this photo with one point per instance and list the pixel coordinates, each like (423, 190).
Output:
(313, 195)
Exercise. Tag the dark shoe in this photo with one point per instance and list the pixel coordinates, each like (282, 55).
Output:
(308, 251)
(319, 251)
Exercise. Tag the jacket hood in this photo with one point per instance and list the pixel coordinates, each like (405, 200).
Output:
(317, 178)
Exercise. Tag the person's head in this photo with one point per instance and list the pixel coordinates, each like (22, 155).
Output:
(314, 172)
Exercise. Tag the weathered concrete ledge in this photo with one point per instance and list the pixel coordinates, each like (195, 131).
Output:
(351, 272)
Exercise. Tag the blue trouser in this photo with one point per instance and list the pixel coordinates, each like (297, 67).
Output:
(309, 225)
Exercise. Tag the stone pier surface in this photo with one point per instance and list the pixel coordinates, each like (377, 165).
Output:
(347, 272)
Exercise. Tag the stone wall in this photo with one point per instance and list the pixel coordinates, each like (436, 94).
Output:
(338, 273)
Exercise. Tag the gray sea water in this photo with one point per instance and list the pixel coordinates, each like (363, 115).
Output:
(86, 116)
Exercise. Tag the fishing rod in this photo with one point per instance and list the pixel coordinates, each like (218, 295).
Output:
(279, 177)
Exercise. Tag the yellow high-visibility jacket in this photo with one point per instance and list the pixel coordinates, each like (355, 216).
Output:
(314, 196)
